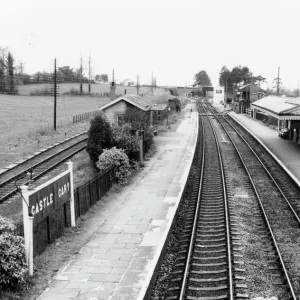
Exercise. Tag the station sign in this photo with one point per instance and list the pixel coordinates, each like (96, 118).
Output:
(45, 200)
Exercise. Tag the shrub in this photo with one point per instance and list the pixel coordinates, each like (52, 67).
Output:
(99, 137)
(12, 255)
(137, 118)
(45, 91)
(123, 138)
(6, 225)
(119, 160)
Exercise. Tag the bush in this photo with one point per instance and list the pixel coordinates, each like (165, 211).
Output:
(45, 91)
(99, 137)
(123, 138)
(137, 118)
(12, 255)
(120, 162)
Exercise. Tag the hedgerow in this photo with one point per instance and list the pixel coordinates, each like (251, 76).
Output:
(118, 159)
(13, 267)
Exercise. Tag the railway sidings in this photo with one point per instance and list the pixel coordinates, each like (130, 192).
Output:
(239, 234)
(38, 165)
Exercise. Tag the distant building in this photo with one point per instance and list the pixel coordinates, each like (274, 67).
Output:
(115, 110)
(245, 95)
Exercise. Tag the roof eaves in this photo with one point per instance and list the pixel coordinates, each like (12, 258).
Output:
(124, 99)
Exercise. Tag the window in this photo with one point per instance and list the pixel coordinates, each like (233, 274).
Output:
(120, 119)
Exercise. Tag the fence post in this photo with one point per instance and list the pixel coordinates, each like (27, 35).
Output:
(72, 202)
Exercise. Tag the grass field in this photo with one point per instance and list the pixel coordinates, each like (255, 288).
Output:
(95, 88)
(26, 122)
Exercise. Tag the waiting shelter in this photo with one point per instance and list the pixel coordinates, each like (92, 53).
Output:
(283, 112)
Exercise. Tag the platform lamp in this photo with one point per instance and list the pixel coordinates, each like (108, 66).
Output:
(168, 110)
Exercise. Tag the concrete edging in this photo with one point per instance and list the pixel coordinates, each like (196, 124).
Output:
(269, 151)
(152, 271)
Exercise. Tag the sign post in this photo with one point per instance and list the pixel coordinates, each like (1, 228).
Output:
(40, 202)
(72, 202)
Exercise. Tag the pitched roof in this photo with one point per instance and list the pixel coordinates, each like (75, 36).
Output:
(143, 103)
(135, 100)
(276, 104)
(253, 88)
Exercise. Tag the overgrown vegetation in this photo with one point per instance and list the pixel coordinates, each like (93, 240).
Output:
(125, 139)
(99, 137)
(13, 267)
(118, 159)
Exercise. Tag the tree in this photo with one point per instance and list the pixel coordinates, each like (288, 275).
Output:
(224, 76)
(66, 74)
(104, 77)
(202, 78)
(260, 79)
(99, 137)
(97, 77)
(10, 74)
(2, 76)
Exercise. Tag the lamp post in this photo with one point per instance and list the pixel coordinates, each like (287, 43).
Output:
(168, 109)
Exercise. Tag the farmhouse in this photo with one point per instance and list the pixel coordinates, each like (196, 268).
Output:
(115, 110)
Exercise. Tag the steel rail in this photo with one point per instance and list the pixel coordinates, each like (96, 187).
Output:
(230, 275)
(186, 271)
(267, 171)
(39, 163)
(263, 210)
(39, 154)
(14, 190)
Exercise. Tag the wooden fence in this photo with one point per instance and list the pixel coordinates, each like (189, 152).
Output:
(85, 116)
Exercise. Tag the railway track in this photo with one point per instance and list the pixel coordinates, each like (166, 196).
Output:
(40, 164)
(204, 266)
(279, 214)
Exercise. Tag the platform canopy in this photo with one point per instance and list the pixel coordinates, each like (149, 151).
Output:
(281, 108)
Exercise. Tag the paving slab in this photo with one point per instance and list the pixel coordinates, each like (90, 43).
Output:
(286, 152)
(118, 261)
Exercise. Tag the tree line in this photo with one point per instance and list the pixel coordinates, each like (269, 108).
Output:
(12, 74)
(238, 75)
(7, 69)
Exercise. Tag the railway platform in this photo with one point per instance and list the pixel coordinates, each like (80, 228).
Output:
(118, 261)
(286, 152)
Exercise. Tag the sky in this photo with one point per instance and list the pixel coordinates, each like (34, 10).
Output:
(174, 39)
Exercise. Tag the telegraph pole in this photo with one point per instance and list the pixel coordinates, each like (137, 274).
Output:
(89, 74)
(152, 84)
(278, 82)
(55, 84)
(81, 76)
(138, 85)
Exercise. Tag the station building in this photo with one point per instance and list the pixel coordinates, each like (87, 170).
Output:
(281, 112)
(116, 109)
(245, 95)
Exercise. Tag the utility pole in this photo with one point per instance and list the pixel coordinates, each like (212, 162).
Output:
(54, 90)
(81, 76)
(152, 84)
(298, 89)
(89, 74)
(278, 82)
(138, 85)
